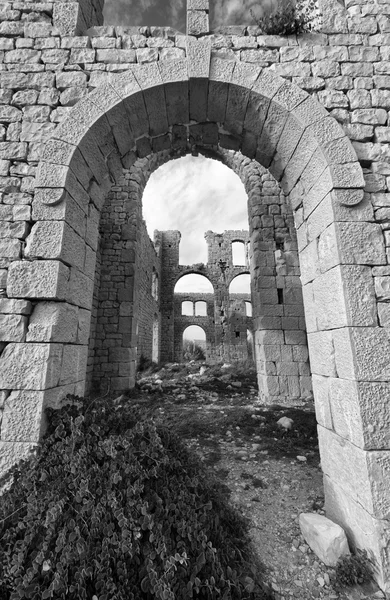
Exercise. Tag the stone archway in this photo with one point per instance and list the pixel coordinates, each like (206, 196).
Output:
(239, 107)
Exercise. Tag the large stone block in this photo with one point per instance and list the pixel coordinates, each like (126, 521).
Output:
(53, 322)
(39, 279)
(362, 353)
(18, 307)
(322, 353)
(22, 417)
(12, 328)
(30, 366)
(13, 452)
(74, 364)
(345, 296)
(309, 261)
(327, 539)
(321, 391)
(83, 327)
(80, 289)
(363, 475)
(309, 307)
(197, 22)
(361, 243)
(56, 240)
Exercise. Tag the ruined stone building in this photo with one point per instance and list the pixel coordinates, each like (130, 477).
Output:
(88, 112)
(224, 320)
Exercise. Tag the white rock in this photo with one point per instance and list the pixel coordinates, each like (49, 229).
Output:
(327, 539)
(285, 422)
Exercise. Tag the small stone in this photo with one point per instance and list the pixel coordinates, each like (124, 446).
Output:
(302, 458)
(321, 581)
(285, 423)
(327, 539)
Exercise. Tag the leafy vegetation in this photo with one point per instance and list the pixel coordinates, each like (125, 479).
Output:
(192, 351)
(353, 569)
(113, 506)
(289, 17)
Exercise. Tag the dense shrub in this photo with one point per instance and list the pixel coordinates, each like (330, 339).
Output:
(353, 569)
(114, 508)
(289, 17)
(192, 351)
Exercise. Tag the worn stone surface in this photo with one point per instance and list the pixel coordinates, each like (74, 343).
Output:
(30, 366)
(327, 539)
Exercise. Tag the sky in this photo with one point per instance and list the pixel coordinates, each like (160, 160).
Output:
(194, 195)
(171, 13)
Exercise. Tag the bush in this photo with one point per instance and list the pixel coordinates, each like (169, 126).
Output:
(353, 569)
(192, 351)
(114, 508)
(289, 18)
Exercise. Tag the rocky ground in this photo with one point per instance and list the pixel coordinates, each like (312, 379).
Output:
(273, 474)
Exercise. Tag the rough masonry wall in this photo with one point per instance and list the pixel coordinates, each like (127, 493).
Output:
(124, 306)
(221, 322)
(282, 355)
(148, 270)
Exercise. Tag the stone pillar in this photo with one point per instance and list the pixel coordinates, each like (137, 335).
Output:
(198, 17)
(170, 242)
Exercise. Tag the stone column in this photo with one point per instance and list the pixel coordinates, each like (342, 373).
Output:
(197, 17)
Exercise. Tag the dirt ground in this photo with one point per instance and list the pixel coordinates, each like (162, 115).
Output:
(272, 474)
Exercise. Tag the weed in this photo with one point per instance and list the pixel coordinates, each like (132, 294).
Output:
(353, 569)
(289, 18)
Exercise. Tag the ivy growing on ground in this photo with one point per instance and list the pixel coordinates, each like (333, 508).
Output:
(289, 17)
(115, 508)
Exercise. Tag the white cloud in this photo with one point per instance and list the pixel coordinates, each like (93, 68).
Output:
(168, 13)
(237, 12)
(194, 195)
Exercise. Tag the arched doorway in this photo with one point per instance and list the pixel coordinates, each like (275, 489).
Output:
(194, 343)
(250, 110)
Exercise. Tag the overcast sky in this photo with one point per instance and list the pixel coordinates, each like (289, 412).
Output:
(194, 195)
(172, 12)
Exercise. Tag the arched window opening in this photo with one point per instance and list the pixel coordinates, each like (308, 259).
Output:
(187, 308)
(249, 344)
(248, 309)
(155, 284)
(201, 309)
(239, 254)
(194, 343)
(155, 341)
(194, 283)
(241, 284)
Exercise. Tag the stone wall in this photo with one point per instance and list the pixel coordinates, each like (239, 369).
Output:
(222, 320)
(75, 110)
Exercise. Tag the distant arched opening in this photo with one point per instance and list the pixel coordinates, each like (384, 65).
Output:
(241, 284)
(155, 342)
(194, 343)
(194, 283)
